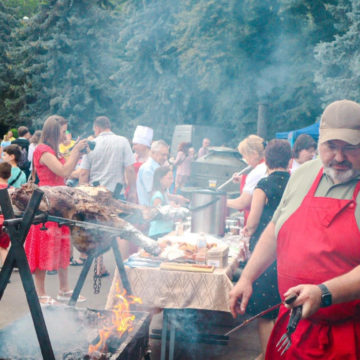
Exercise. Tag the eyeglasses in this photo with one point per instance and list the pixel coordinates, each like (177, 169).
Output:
(347, 149)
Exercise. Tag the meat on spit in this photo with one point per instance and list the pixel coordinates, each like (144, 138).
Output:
(95, 205)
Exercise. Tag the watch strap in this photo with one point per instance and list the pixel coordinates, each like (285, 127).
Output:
(326, 297)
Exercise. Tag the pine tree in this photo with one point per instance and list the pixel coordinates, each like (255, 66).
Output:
(65, 64)
(339, 75)
(7, 23)
(210, 62)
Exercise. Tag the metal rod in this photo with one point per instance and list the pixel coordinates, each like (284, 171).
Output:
(288, 300)
(172, 337)
(242, 172)
(164, 334)
(37, 220)
(81, 280)
(86, 225)
(121, 267)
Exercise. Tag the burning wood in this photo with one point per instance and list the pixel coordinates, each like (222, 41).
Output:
(114, 328)
(92, 206)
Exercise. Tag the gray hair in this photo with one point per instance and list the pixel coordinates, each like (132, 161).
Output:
(156, 145)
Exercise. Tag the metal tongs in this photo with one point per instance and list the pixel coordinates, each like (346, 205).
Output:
(285, 341)
(289, 300)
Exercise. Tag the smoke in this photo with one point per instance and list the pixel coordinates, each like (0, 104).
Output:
(67, 330)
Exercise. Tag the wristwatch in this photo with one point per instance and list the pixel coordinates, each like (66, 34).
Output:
(326, 297)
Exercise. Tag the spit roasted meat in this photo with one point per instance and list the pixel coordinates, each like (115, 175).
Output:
(92, 206)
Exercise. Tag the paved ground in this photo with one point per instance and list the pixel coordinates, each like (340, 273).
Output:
(243, 345)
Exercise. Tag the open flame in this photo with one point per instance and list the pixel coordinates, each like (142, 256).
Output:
(121, 320)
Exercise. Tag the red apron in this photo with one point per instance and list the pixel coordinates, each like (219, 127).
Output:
(320, 241)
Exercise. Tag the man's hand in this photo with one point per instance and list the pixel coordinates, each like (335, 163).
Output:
(241, 292)
(309, 296)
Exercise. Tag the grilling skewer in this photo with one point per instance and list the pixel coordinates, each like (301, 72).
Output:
(242, 172)
(290, 299)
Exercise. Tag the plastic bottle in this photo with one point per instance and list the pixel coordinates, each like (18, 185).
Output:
(201, 249)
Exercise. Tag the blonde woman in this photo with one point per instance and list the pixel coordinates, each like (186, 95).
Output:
(252, 150)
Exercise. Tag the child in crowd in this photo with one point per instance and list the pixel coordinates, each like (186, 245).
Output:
(5, 173)
(12, 155)
(163, 178)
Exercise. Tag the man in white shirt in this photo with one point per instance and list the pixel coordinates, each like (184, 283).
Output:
(158, 157)
(111, 159)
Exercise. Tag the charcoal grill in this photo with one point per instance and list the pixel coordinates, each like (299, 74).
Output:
(18, 340)
(18, 230)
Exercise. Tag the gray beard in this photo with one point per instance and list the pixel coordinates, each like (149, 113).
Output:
(341, 176)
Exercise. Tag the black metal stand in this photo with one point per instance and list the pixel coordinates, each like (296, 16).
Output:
(18, 229)
(17, 256)
(86, 268)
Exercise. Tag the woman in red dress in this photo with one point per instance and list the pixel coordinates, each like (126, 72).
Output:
(50, 249)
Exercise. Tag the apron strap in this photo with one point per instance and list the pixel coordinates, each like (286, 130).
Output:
(315, 183)
(356, 191)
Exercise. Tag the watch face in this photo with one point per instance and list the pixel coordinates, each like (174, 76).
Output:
(326, 300)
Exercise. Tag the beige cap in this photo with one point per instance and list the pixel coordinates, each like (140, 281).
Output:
(341, 121)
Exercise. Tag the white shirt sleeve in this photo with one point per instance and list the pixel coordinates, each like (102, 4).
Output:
(253, 178)
(31, 152)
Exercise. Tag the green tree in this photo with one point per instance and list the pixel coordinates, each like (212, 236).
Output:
(296, 99)
(7, 23)
(339, 75)
(65, 63)
(24, 7)
(211, 62)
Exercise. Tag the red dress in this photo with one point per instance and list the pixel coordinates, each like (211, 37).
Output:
(319, 241)
(50, 249)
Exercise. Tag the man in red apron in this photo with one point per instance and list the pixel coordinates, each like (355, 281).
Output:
(315, 237)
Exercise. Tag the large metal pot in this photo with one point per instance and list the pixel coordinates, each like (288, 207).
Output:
(208, 211)
(220, 164)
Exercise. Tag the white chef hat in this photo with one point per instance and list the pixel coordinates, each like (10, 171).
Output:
(143, 135)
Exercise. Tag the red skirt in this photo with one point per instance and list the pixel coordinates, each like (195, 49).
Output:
(4, 240)
(48, 249)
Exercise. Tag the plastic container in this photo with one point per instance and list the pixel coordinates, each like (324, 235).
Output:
(201, 249)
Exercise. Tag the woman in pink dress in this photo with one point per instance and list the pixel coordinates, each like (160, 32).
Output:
(183, 165)
(50, 249)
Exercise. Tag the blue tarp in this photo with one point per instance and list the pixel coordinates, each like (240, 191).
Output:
(312, 130)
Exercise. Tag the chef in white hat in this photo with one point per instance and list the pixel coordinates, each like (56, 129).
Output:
(141, 145)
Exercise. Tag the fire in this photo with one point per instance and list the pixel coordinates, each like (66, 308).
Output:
(121, 320)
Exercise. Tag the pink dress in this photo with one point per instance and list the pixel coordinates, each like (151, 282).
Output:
(49, 249)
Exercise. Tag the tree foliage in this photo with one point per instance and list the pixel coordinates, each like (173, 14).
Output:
(339, 74)
(24, 7)
(7, 23)
(64, 64)
(166, 62)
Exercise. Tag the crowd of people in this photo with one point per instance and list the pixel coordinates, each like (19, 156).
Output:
(304, 193)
